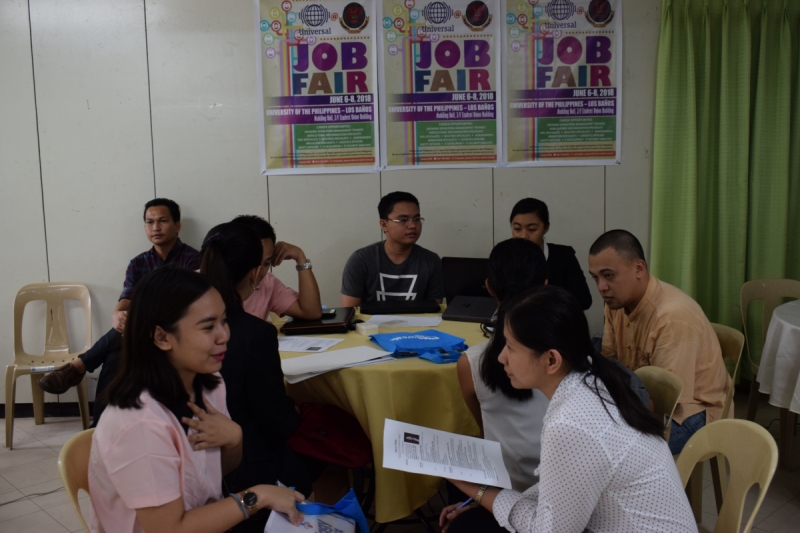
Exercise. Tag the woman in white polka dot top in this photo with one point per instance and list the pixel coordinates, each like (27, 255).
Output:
(604, 464)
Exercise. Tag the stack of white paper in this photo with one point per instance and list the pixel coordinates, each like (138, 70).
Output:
(405, 321)
(300, 368)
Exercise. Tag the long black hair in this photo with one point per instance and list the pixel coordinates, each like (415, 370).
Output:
(229, 252)
(515, 265)
(549, 318)
(161, 298)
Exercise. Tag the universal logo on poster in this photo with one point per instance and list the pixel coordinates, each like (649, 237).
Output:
(599, 13)
(476, 16)
(353, 19)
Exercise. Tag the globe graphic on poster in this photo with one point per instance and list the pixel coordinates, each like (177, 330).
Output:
(314, 15)
(437, 12)
(560, 9)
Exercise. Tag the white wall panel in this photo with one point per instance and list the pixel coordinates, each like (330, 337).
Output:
(90, 65)
(628, 185)
(94, 94)
(456, 205)
(205, 110)
(574, 197)
(21, 217)
(329, 217)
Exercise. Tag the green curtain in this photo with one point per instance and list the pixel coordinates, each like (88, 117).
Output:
(726, 169)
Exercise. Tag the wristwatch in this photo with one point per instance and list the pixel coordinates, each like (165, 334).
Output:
(250, 500)
(479, 496)
(304, 266)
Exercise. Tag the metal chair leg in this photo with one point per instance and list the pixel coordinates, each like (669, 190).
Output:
(752, 401)
(424, 521)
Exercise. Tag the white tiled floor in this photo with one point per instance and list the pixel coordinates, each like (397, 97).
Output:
(31, 468)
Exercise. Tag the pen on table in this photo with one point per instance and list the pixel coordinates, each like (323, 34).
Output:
(469, 501)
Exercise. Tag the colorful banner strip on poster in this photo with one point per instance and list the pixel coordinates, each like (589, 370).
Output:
(563, 79)
(440, 73)
(318, 81)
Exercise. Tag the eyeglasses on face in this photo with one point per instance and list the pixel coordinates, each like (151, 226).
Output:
(405, 221)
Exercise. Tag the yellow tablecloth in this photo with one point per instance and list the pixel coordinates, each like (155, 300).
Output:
(410, 390)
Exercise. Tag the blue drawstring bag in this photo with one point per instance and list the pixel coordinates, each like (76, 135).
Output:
(435, 346)
(348, 506)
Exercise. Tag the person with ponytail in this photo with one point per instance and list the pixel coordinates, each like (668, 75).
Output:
(512, 417)
(257, 399)
(160, 450)
(605, 466)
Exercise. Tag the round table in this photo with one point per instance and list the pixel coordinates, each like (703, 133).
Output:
(779, 370)
(411, 390)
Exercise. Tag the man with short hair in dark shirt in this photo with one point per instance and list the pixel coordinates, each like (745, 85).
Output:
(162, 223)
(397, 268)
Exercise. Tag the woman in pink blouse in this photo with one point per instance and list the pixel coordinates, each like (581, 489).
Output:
(163, 444)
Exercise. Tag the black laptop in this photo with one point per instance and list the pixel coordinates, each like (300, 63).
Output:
(471, 309)
(465, 276)
(333, 321)
(468, 299)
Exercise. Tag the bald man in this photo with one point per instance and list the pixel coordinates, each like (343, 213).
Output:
(649, 322)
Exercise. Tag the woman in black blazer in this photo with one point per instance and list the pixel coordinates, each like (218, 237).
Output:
(257, 399)
(530, 219)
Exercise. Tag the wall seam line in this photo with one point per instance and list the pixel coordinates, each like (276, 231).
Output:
(493, 201)
(149, 98)
(38, 142)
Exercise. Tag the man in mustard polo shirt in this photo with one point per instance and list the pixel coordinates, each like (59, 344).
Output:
(649, 322)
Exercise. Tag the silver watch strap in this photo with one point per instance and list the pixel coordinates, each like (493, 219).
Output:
(304, 266)
(241, 505)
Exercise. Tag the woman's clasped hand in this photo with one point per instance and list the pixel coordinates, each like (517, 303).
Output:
(211, 428)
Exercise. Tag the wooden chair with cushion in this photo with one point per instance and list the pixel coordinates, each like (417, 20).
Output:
(771, 292)
(753, 456)
(56, 350)
(73, 465)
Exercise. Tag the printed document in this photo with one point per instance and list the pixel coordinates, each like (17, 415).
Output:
(422, 450)
(306, 344)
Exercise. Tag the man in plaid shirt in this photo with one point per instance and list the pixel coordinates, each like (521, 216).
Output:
(162, 223)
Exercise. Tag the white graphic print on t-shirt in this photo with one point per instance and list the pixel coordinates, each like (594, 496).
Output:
(394, 285)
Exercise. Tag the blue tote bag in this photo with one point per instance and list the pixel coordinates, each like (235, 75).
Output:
(433, 345)
(348, 506)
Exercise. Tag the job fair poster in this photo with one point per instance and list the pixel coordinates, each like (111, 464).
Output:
(440, 75)
(318, 85)
(563, 77)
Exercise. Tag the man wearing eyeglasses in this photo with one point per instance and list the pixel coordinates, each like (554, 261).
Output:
(396, 268)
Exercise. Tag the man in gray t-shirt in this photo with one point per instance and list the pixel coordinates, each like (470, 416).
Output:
(394, 269)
